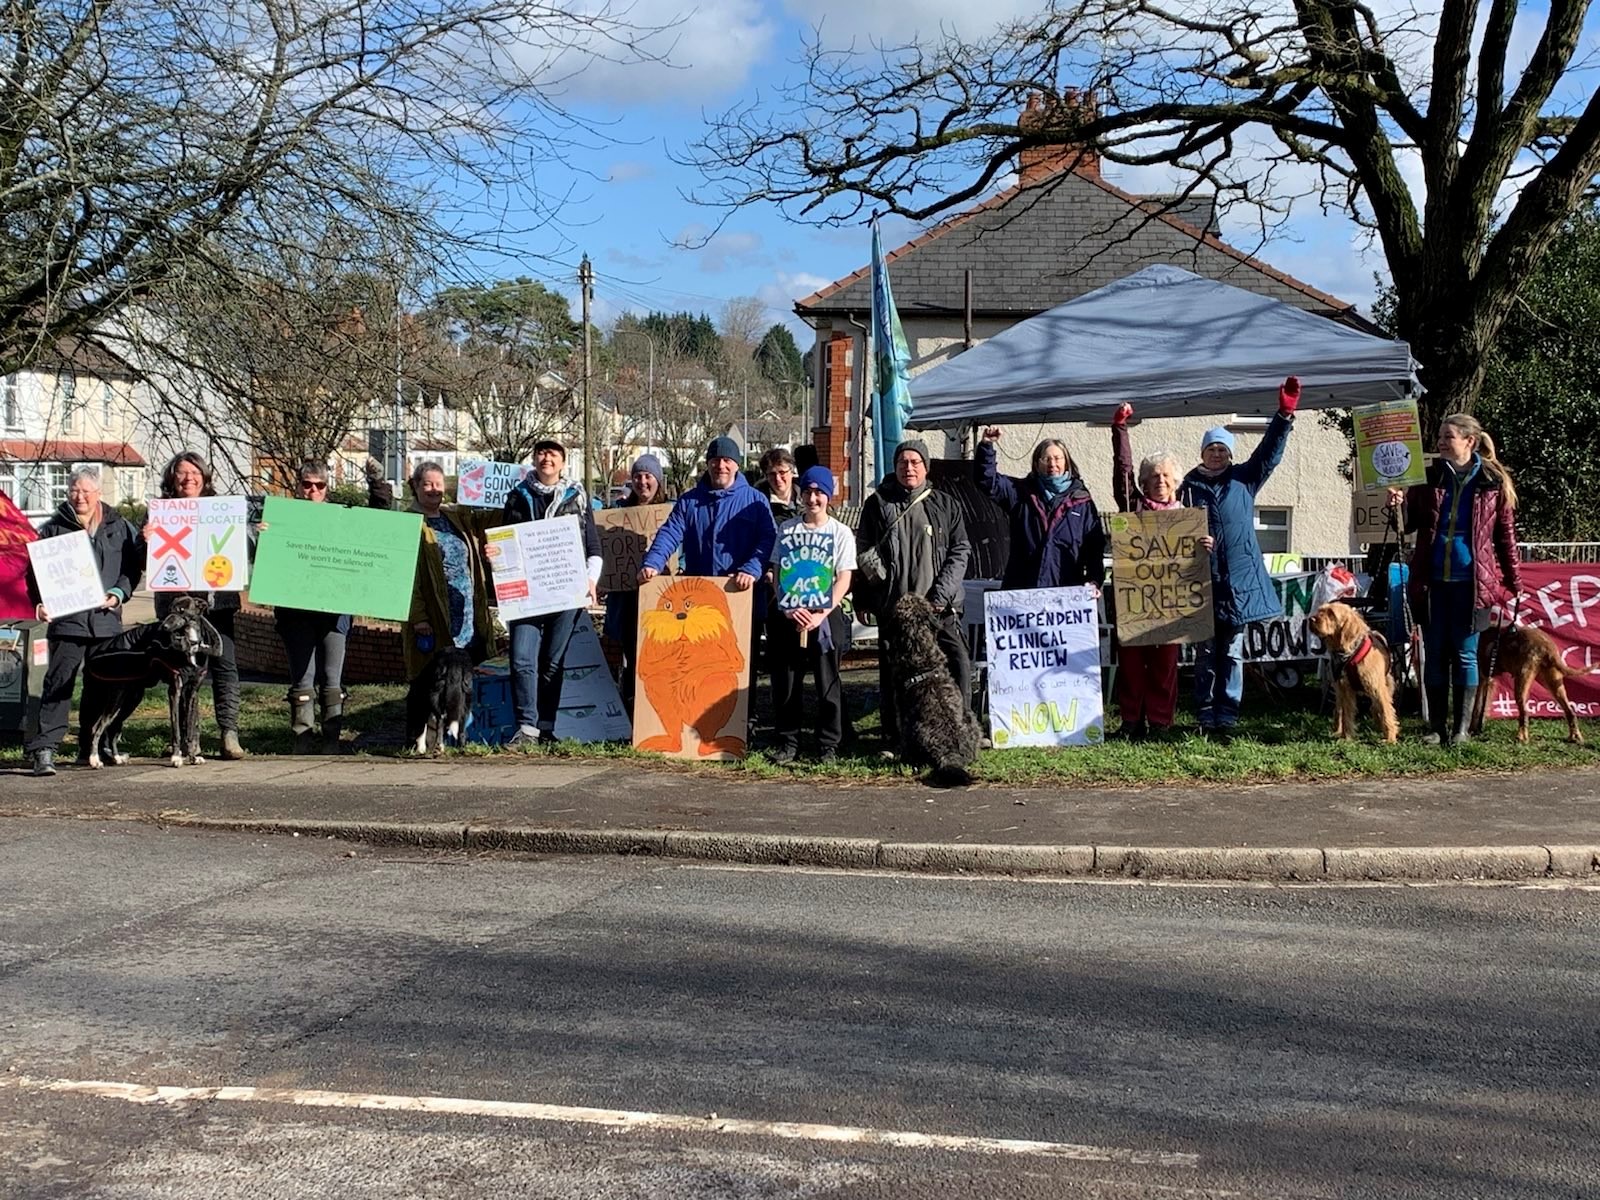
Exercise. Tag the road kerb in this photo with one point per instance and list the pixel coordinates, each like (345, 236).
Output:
(535, 840)
(428, 836)
(1574, 860)
(774, 849)
(1217, 862)
(992, 859)
(1438, 862)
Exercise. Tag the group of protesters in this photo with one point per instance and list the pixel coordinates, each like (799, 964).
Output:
(1465, 563)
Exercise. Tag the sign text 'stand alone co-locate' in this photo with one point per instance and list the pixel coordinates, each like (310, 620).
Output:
(198, 544)
(1161, 577)
(333, 559)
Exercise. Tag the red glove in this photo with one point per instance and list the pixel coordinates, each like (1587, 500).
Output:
(1289, 396)
(1123, 414)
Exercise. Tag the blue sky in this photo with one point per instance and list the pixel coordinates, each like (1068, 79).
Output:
(629, 212)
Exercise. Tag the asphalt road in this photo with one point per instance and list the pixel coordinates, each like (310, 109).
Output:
(1068, 1040)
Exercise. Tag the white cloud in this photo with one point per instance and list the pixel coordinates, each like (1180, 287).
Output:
(724, 251)
(898, 21)
(628, 171)
(699, 53)
(780, 294)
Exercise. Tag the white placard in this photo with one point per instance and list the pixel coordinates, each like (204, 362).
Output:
(484, 483)
(1044, 668)
(198, 545)
(538, 567)
(68, 579)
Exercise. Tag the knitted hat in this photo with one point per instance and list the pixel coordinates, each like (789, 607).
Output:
(1217, 437)
(650, 465)
(820, 478)
(724, 447)
(916, 446)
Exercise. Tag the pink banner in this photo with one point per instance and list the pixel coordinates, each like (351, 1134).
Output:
(1563, 599)
(15, 534)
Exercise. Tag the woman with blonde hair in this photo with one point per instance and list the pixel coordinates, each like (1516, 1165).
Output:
(1464, 565)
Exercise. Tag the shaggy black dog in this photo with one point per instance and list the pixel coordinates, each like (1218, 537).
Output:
(176, 650)
(936, 728)
(440, 701)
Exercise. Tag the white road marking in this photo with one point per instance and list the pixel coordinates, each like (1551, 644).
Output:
(137, 1093)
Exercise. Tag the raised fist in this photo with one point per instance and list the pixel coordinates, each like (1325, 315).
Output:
(992, 434)
(374, 469)
(1123, 415)
(1289, 395)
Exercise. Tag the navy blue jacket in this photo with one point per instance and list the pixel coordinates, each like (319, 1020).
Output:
(1063, 546)
(1241, 586)
(723, 531)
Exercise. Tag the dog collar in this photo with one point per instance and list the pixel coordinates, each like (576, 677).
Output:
(923, 677)
(1363, 648)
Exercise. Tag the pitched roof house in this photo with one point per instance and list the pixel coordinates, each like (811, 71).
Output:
(1061, 231)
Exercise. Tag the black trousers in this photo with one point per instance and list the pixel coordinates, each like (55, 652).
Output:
(790, 663)
(55, 700)
(225, 672)
(953, 642)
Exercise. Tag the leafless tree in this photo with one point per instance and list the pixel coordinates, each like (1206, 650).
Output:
(1458, 152)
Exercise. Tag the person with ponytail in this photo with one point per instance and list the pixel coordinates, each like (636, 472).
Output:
(1464, 565)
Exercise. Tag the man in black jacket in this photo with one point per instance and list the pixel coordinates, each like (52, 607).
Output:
(923, 541)
(119, 554)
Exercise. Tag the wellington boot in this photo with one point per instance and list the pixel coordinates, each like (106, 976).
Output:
(332, 720)
(303, 721)
(232, 751)
(1438, 717)
(1460, 718)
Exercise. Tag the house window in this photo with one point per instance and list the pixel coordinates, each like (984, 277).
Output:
(1273, 529)
(130, 483)
(34, 485)
(11, 402)
(105, 405)
(67, 389)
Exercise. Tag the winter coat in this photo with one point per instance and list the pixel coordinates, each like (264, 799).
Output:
(723, 531)
(1496, 569)
(1125, 477)
(430, 593)
(118, 552)
(782, 510)
(1062, 545)
(1241, 586)
(925, 554)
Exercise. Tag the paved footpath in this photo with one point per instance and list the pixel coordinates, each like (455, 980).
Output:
(1526, 825)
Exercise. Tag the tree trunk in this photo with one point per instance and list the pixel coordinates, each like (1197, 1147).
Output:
(1452, 352)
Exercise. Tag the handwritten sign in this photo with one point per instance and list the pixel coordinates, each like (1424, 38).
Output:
(1388, 446)
(625, 535)
(538, 567)
(333, 559)
(1161, 577)
(1044, 668)
(484, 484)
(693, 698)
(198, 545)
(64, 568)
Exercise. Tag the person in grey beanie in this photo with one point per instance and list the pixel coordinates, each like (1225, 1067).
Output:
(648, 485)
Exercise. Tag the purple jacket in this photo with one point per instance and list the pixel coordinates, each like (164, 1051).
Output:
(1060, 545)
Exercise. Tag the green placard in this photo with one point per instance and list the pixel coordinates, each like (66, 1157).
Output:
(1388, 446)
(328, 558)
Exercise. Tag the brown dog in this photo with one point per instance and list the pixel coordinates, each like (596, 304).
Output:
(1526, 654)
(1361, 658)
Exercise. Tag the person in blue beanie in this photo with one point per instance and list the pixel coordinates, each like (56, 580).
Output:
(1241, 588)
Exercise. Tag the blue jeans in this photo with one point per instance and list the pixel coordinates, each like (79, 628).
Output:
(1219, 677)
(538, 656)
(1448, 636)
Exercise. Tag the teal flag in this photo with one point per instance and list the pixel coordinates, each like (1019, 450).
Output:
(891, 368)
(333, 559)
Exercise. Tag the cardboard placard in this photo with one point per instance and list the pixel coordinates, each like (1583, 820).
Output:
(538, 567)
(65, 570)
(1369, 522)
(329, 558)
(625, 536)
(1388, 446)
(1161, 577)
(693, 694)
(1044, 667)
(484, 483)
(198, 545)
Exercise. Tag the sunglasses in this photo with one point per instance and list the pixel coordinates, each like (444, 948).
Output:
(314, 486)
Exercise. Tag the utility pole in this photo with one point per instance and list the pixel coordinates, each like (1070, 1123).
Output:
(586, 283)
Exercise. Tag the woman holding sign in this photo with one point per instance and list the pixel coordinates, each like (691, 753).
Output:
(119, 556)
(1147, 676)
(539, 644)
(450, 596)
(187, 476)
(1241, 588)
(1464, 565)
(648, 485)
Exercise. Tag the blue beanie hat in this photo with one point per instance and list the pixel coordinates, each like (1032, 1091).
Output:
(1217, 436)
(820, 478)
(724, 447)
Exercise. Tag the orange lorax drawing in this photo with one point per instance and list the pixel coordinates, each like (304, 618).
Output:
(694, 668)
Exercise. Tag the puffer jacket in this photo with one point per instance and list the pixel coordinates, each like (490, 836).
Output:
(1496, 568)
(925, 554)
(1060, 545)
(722, 531)
(1241, 586)
(118, 552)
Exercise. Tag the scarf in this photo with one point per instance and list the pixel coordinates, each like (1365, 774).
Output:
(1054, 486)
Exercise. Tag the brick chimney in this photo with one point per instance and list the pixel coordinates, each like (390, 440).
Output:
(1072, 109)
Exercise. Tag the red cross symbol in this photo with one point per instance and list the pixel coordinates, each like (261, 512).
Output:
(171, 542)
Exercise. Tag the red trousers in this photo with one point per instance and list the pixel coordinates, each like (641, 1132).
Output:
(1147, 683)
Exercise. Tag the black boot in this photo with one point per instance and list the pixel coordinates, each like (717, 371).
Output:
(1438, 717)
(1460, 717)
(332, 720)
(303, 721)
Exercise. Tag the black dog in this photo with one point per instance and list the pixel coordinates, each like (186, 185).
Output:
(440, 701)
(176, 650)
(936, 727)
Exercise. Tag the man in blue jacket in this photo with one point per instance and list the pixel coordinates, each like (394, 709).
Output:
(723, 525)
